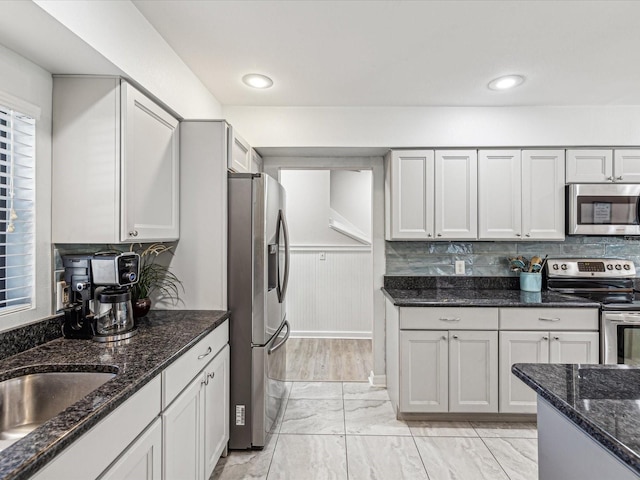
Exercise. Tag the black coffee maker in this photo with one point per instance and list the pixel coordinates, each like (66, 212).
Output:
(99, 304)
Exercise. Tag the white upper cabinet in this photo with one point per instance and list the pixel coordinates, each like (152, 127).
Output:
(499, 195)
(256, 162)
(456, 192)
(239, 152)
(626, 165)
(543, 215)
(589, 166)
(431, 195)
(409, 195)
(521, 195)
(115, 164)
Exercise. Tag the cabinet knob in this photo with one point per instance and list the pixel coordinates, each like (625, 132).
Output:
(619, 178)
(455, 337)
(545, 338)
(444, 337)
(133, 233)
(429, 235)
(556, 338)
(610, 179)
(528, 235)
(518, 235)
(439, 234)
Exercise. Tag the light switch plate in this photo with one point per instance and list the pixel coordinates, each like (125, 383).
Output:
(460, 267)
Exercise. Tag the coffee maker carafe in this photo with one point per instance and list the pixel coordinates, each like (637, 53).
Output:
(100, 300)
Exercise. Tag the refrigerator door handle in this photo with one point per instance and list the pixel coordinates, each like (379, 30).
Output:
(282, 285)
(286, 337)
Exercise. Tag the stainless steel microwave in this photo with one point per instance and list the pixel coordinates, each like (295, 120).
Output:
(603, 209)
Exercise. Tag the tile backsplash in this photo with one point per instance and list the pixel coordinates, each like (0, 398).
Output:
(490, 258)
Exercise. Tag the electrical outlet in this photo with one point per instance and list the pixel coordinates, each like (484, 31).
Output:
(323, 256)
(459, 267)
(62, 295)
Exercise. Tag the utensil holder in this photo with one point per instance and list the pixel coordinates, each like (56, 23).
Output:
(530, 282)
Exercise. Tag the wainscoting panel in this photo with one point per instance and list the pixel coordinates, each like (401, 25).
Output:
(331, 297)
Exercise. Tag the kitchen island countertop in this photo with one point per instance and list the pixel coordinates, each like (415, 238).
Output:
(163, 336)
(601, 400)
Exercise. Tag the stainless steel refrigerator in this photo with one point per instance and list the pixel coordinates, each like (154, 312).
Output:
(258, 273)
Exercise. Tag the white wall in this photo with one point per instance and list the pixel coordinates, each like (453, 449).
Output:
(308, 208)
(22, 79)
(350, 196)
(120, 33)
(436, 126)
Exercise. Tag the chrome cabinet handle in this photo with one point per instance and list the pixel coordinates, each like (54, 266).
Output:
(455, 337)
(610, 179)
(429, 235)
(545, 338)
(452, 319)
(619, 178)
(518, 234)
(133, 233)
(208, 376)
(439, 234)
(528, 235)
(200, 357)
(544, 319)
(556, 338)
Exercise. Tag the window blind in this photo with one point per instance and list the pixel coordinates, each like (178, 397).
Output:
(17, 210)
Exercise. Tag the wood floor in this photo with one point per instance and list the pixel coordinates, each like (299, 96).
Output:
(329, 359)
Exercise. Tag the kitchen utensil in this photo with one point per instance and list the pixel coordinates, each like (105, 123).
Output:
(535, 261)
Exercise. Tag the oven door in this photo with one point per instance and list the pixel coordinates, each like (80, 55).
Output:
(621, 338)
(604, 209)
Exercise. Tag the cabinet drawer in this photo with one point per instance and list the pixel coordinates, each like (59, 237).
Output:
(178, 375)
(549, 319)
(448, 318)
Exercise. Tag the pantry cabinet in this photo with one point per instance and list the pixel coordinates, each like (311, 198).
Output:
(521, 195)
(542, 336)
(115, 164)
(431, 195)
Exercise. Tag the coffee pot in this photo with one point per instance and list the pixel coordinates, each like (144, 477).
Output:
(100, 299)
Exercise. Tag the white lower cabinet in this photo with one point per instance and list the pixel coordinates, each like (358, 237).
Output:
(142, 460)
(538, 347)
(196, 424)
(448, 371)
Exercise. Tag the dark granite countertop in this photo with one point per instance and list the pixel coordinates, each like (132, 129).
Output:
(602, 400)
(473, 297)
(163, 337)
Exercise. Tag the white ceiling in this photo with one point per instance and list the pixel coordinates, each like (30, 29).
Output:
(407, 53)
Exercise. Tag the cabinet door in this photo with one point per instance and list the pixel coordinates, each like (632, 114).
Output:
(520, 347)
(424, 376)
(256, 162)
(216, 410)
(499, 195)
(142, 460)
(239, 153)
(543, 214)
(626, 165)
(149, 170)
(181, 428)
(574, 347)
(456, 194)
(473, 371)
(589, 166)
(411, 191)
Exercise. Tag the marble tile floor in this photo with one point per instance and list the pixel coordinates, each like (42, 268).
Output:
(347, 430)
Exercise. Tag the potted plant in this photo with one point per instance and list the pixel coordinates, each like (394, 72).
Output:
(153, 277)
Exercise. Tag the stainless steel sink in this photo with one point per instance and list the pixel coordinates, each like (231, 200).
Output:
(28, 401)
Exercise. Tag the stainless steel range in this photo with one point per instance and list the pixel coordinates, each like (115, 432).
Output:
(609, 281)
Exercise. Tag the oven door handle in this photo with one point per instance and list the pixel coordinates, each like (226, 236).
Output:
(581, 290)
(631, 318)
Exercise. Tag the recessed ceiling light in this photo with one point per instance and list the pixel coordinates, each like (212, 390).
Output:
(506, 82)
(257, 80)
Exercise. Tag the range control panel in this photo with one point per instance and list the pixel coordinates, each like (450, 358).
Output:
(590, 268)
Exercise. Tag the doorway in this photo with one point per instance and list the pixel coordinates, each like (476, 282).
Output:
(330, 299)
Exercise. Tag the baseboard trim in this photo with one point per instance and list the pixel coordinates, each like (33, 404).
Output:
(377, 380)
(321, 334)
